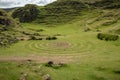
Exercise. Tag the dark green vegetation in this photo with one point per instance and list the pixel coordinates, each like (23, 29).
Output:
(63, 42)
(5, 20)
(27, 13)
(7, 25)
(107, 37)
(108, 4)
(51, 64)
(6, 40)
(57, 12)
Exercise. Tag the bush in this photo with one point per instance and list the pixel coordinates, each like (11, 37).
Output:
(35, 38)
(54, 38)
(55, 66)
(48, 38)
(49, 64)
(116, 71)
(107, 37)
(51, 38)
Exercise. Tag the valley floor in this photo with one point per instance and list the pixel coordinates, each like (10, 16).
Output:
(87, 57)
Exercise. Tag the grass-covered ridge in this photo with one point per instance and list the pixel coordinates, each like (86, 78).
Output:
(109, 4)
(60, 12)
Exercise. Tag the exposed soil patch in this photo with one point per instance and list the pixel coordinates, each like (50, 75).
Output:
(60, 44)
(40, 59)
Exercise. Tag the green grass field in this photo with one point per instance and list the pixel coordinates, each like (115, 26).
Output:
(83, 55)
(87, 57)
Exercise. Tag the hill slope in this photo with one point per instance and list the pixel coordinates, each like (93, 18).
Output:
(7, 25)
(109, 4)
(60, 12)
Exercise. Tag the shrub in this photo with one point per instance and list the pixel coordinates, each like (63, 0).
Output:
(6, 20)
(49, 64)
(107, 37)
(54, 38)
(117, 71)
(48, 38)
(35, 37)
(51, 38)
(55, 66)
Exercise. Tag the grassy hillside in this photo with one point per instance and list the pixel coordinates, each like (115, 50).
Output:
(90, 15)
(60, 12)
(11, 30)
(7, 32)
(109, 4)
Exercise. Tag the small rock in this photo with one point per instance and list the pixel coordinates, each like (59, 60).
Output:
(47, 77)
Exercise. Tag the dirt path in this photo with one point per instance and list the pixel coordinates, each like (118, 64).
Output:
(40, 59)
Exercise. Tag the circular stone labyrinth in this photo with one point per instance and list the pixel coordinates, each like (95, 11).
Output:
(59, 46)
